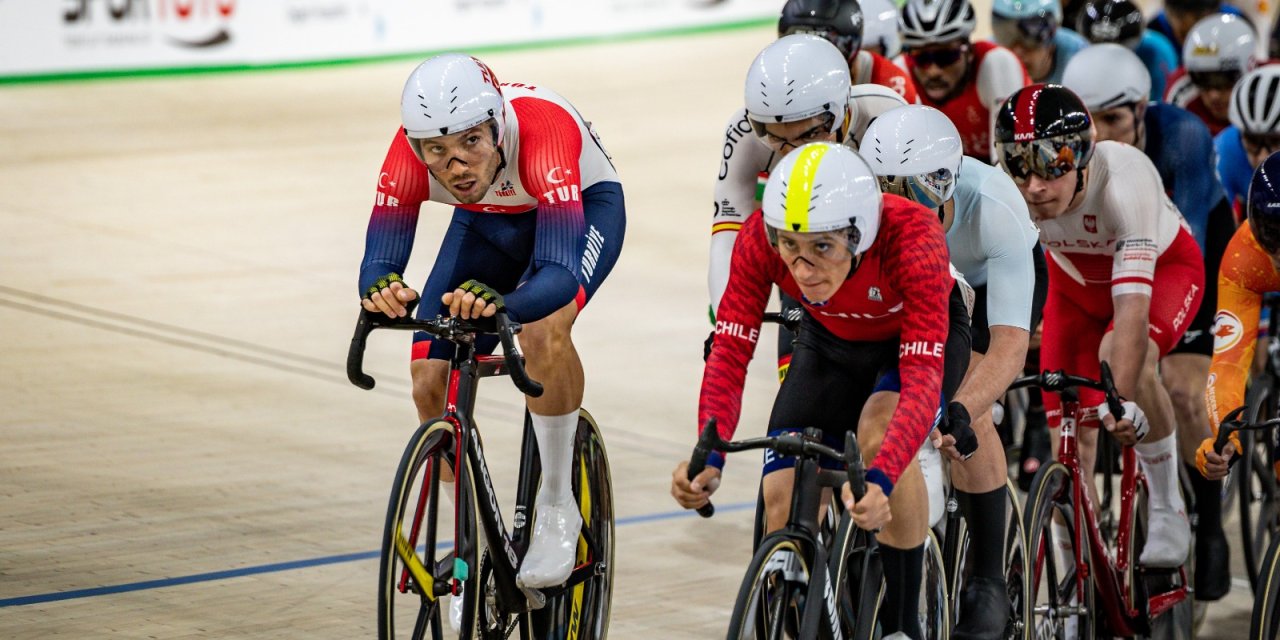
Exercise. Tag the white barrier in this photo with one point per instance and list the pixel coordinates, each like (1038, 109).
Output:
(56, 37)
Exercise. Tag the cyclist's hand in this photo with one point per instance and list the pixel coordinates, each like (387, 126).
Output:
(1212, 465)
(1131, 428)
(473, 299)
(388, 295)
(957, 440)
(946, 444)
(692, 495)
(871, 513)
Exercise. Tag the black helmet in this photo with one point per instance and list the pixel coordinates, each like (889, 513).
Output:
(839, 21)
(1263, 206)
(1118, 21)
(1203, 6)
(1043, 129)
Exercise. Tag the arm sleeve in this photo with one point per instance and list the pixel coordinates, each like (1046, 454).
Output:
(1234, 171)
(1135, 210)
(550, 157)
(403, 185)
(917, 264)
(1235, 326)
(1000, 75)
(1195, 191)
(1008, 238)
(737, 328)
(743, 157)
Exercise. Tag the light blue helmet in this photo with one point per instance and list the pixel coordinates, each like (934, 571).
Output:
(1028, 9)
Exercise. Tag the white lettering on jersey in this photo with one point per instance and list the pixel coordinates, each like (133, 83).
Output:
(920, 348)
(562, 194)
(595, 241)
(736, 330)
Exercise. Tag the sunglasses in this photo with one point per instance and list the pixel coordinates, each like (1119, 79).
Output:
(778, 143)
(1220, 80)
(1033, 31)
(930, 189)
(1255, 144)
(938, 57)
(1049, 158)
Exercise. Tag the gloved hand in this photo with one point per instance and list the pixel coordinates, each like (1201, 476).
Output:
(1133, 413)
(958, 426)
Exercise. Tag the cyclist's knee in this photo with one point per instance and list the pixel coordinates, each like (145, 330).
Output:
(776, 488)
(550, 334)
(429, 378)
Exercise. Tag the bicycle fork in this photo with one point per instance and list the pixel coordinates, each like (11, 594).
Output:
(821, 591)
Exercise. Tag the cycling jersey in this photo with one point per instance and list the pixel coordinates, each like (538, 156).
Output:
(1246, 275)
(1180, 147)
(873, 68)
(994, 75)
(991, 240)
(1183, 93)
(1158, 54)
(744, 167)
(1234, 170)
(552, 157)
(899, 290)
(1066, 43)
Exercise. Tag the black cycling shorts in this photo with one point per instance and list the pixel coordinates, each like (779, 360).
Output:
(1198, 338)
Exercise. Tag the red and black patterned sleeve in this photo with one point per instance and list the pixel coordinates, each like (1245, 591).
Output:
(917, 264)
(752, 272)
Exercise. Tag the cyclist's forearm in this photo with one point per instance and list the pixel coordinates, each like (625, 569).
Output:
(991, 377)
(1129, 342)
(388, 243)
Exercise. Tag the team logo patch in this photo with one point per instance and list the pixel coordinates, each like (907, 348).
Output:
(506, 189)
(1226, 331)
(1091, 223)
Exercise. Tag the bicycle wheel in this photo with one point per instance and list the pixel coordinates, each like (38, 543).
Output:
(770, 602)
(583, 610)
(1057, 601)
(1015, 567)
(857, 577)
(1259, 495)
(935, 609)
(418, 561)
(1265, 622)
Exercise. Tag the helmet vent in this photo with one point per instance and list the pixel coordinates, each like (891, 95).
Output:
(424, 106)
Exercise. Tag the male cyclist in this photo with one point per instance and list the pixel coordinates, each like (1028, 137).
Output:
(1113, 84)
(1032, 30)
(1250, 271)
(1125, 278)
(1122, 22)
(872, 274)
(1254, 133)
(538, 206)
(1218, 51)
(965, 80)
(1177, 17)
(841, 22)
(993, 243)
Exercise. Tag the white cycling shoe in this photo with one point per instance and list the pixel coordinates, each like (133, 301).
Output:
(1168, 539)
(551, 552)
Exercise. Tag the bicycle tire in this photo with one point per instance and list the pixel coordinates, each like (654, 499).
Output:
(1015, 566)
(417, 484)
(584, 610)
(1264, 623)
(770, 602)
(1259, 495)
(850, 557)
(935, 600)
(1051, 495)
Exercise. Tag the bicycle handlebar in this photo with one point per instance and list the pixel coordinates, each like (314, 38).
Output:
(1230, 424)
(787, 444)
(1058, 381)
(452, 329)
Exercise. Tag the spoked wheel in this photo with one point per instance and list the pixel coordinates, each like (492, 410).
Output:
(418, 562)
(1259, 496)
(1015, 567)
(770, 602)
(1265, 623)
(1061, 605)
(583, 610)
(935, 609)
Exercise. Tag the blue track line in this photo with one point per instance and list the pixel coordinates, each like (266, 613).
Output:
(289, 566)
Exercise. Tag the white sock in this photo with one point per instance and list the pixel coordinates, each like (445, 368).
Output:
(555, 448)
(1160, 464)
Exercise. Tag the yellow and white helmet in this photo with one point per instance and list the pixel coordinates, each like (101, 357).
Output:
(823, 186)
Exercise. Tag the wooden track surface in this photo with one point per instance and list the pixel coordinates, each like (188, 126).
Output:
(180, 453)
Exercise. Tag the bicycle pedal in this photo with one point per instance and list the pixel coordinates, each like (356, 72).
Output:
(536, 598)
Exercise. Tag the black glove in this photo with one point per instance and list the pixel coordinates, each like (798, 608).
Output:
(706, 345)
(957, 426)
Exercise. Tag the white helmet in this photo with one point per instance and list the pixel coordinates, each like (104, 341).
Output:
(1107, 75)
(916, 151)
(926, 22)
(796, 77)
(880, 27)
(868, 101)
(1255, 103)
(823, 186)
(447, 94)
(1220, 42)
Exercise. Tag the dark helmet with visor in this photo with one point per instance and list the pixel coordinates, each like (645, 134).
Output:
(839, 21)
(1043, 129)
(1263, 205)
(1119, 21)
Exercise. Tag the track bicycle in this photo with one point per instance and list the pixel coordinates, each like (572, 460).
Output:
(1257, 489)
(421, 562)
(1097, 589)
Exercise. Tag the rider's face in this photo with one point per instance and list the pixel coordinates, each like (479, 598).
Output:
(464, 162)
(819, 262)
(1117, 123)
(786, 136)
(940, 69)
(1048, 198)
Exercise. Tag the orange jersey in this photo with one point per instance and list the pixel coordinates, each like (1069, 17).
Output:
(1245, 276)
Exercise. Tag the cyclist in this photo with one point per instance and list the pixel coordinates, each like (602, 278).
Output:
(537, 205)
(1254, 132)
(1178, 16)
(967, 81)
(996, 248)
(1122, 22)
(1113, 239)
(880, 34)
(872, 274)
(1219, 50)
(821, 107)
(1250, 271)
(1032, 30)
(1113, 84)
(841, 22)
